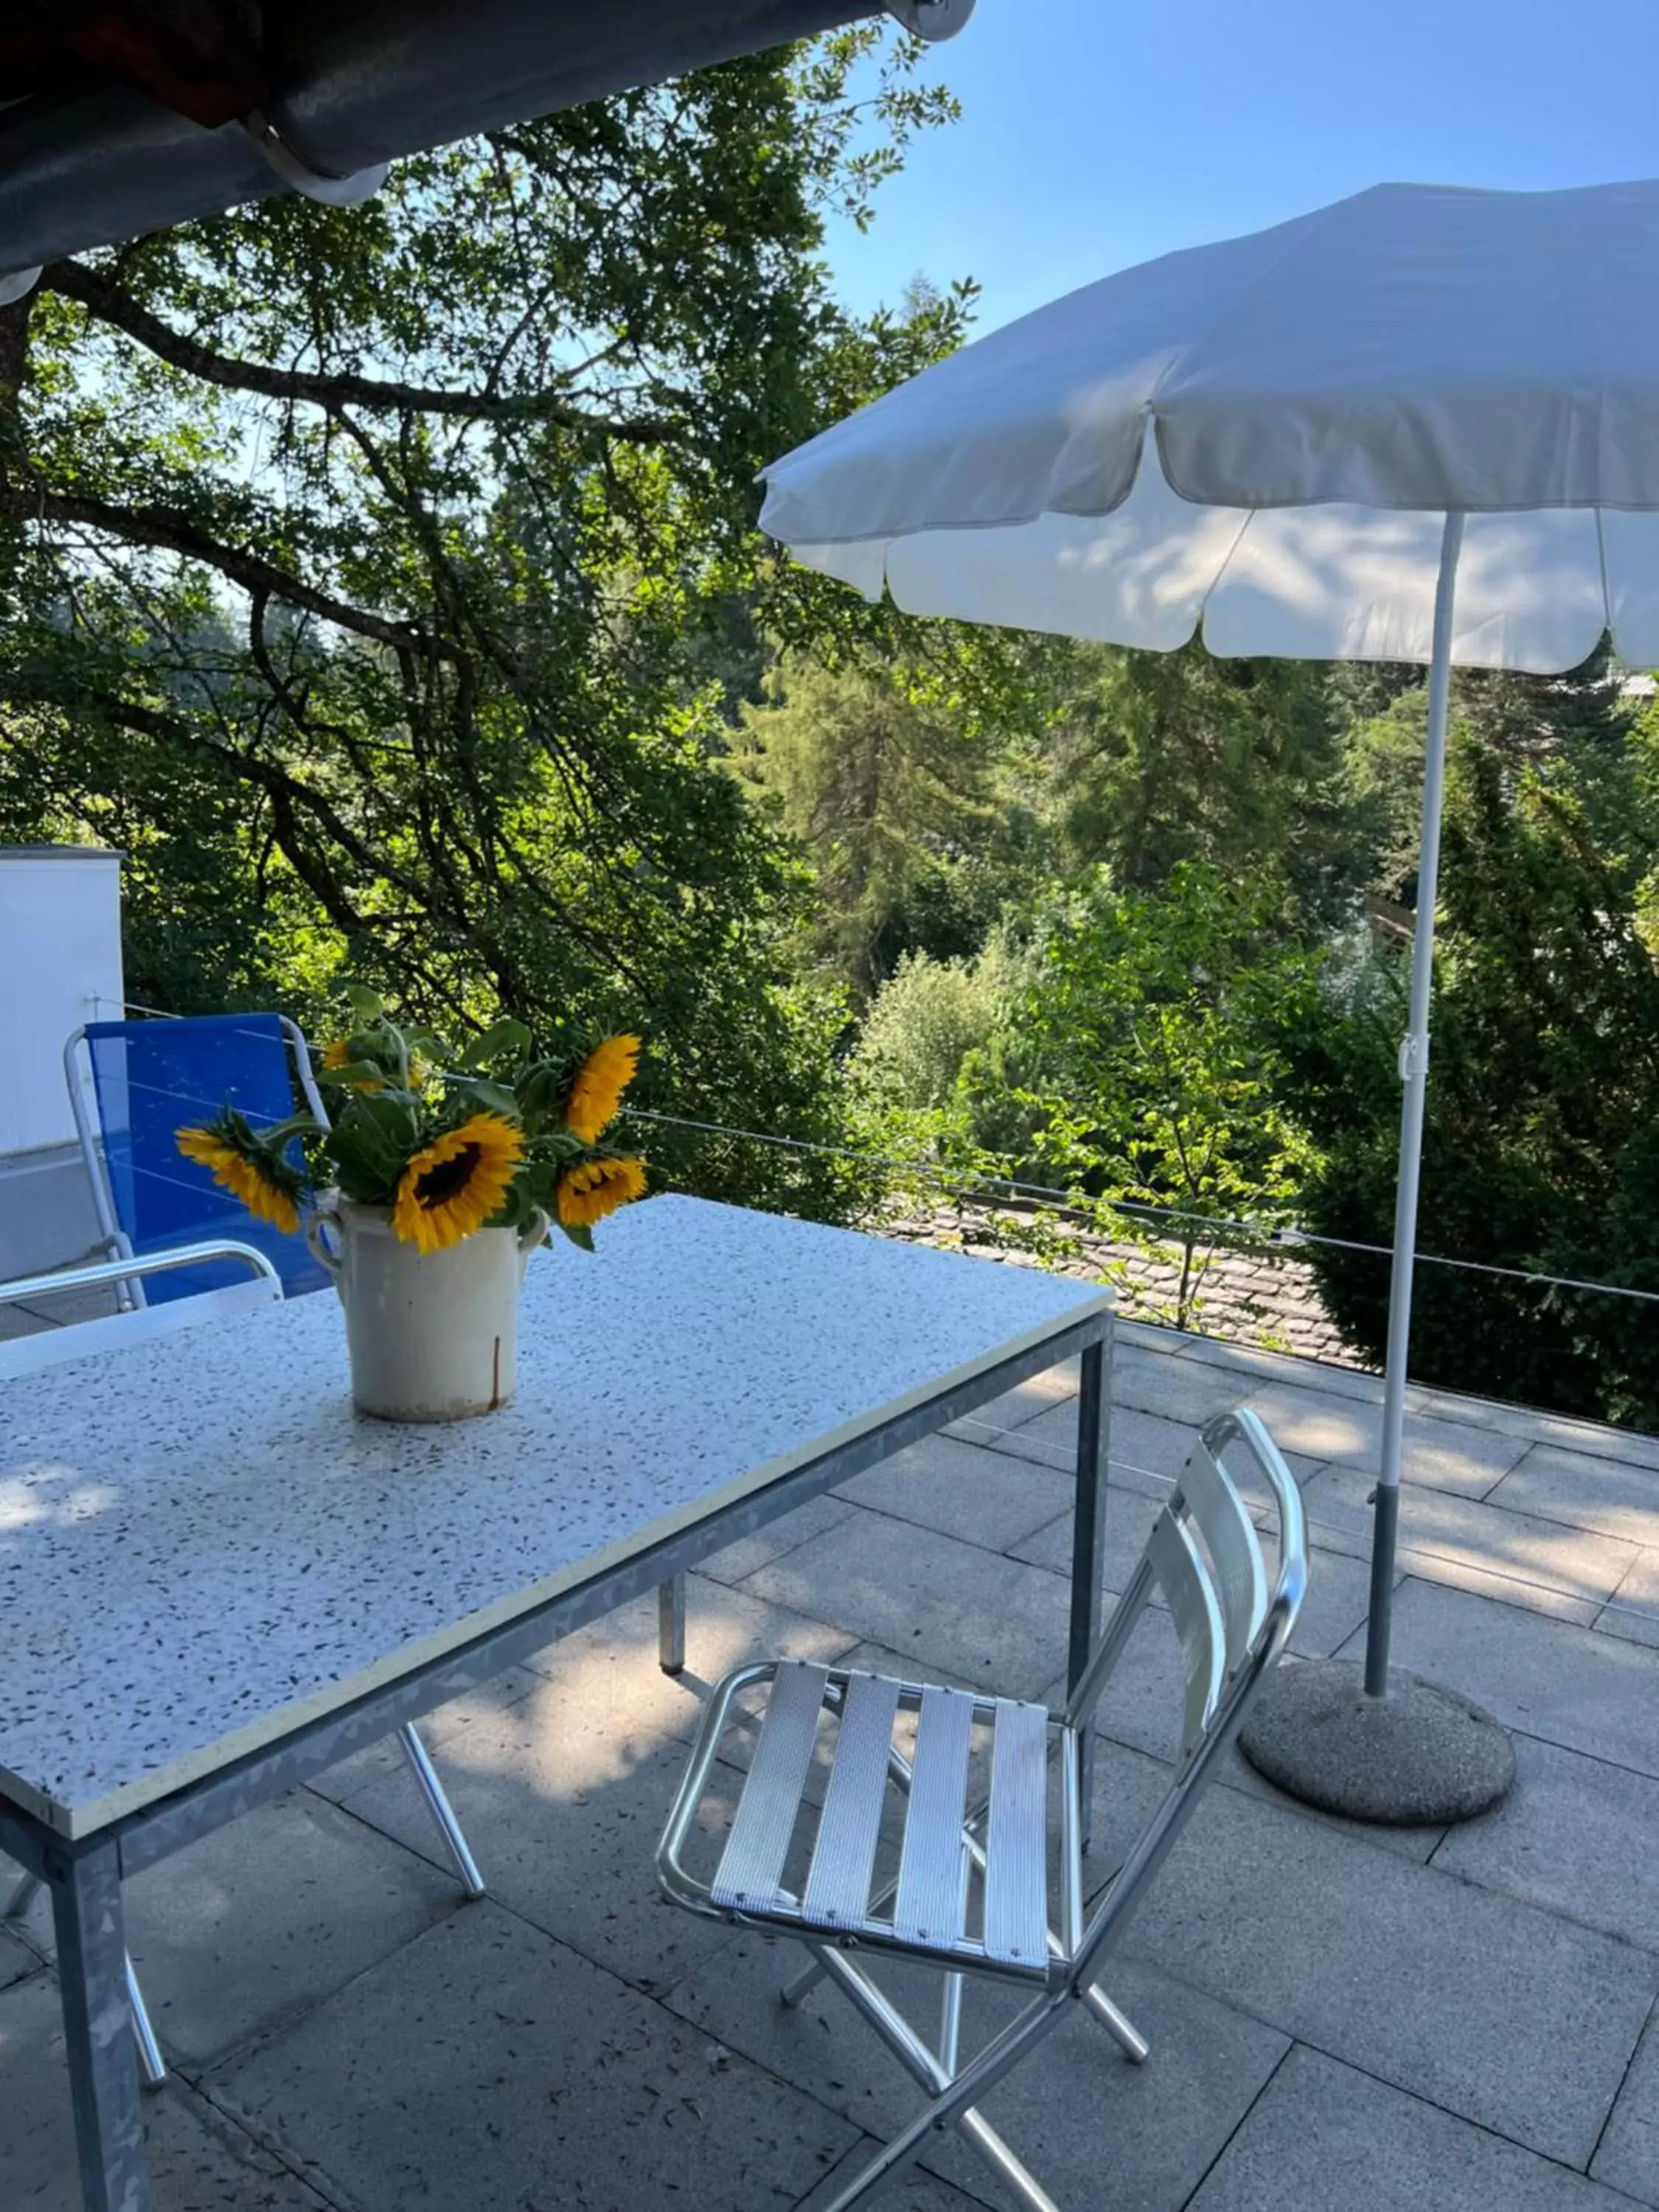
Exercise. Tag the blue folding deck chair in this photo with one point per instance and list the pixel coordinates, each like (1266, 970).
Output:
(149, 1080)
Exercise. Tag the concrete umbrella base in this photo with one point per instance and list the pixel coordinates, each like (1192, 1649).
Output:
(1418, 1758)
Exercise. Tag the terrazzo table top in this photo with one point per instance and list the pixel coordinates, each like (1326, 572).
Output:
(202, 1545)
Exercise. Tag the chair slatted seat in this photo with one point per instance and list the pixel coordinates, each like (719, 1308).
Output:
(971, 1894)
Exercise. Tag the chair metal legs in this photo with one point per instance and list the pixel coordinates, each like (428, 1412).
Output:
(152, 2066)
(670, 1625)
(953, 2089)
(1118, 2025)
(443, 1812)
(942, 2073)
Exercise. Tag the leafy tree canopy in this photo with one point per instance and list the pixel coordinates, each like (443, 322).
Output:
(352, 565)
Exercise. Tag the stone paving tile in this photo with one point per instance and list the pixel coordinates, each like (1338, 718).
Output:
(1500, 2013)
(1587, 1693)
(198, 2161)
(1175, 1386)
(962, 1489)
(1337, 1601)
(609, 1682)
(1145, 1452)
(751, 1553)
(1440, 1455)
(1129, 1519)
(994, 1622)
(1574, 1835)
(915, 2191)
(34, 1926)
(1023, 1403)
(566, 1826)
(486, 2065)
(17, 1958)
(341, 1782)
(1583, 1490)
(1324, 2138)
(1076, 2111)
(1417, 1844)
(1627, 2157)
(266, 1917)
(1632, 1612)
(1446, 1538)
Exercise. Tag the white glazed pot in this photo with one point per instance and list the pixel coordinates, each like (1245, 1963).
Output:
(433, 1336)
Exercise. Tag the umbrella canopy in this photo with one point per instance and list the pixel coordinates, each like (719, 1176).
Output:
(1263, 438)
(1422, 424)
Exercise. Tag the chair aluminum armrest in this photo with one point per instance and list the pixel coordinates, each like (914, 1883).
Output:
(123, 1270)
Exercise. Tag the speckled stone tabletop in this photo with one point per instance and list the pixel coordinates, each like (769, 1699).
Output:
(202, 1544)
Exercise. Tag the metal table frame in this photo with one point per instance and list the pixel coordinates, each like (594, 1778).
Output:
(84, 1877)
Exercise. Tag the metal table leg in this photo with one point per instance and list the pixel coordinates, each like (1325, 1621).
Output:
(1089, 1541)
(92, 1971)
(670, 1625)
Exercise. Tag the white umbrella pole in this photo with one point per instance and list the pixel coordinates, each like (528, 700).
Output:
(1414, 1076)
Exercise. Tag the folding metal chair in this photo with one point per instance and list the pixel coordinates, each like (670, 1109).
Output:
(971, 1891)
(148, 1079)
(49, 1347)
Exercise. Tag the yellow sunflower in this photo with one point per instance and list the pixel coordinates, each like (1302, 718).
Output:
(454, 1185)
(597, 1088)
(247, 1180)
(592, 1188)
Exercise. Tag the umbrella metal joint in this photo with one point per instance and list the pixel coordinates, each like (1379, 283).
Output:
(934, 20)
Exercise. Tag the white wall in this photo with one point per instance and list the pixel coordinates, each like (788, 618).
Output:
(60, 965)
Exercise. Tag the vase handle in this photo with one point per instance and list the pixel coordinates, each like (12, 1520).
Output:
(318, 1244)
(533, 1233)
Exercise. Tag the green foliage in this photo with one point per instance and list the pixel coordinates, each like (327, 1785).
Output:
(889, 786)
(928, 1018)
(1163, 758)
(1540, 1150)
(1159, 1025)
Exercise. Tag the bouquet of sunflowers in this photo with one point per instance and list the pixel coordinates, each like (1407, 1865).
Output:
(447, 1143)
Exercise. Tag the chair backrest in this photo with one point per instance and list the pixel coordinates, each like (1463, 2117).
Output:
(151, 1079)
(1205, 1555)
(255, 1283)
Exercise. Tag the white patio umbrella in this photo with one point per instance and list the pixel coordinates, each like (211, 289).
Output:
(1420, 425)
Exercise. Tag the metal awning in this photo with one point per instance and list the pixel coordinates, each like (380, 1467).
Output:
(119, 117)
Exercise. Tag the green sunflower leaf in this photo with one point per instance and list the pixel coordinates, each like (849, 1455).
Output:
(498, 1040)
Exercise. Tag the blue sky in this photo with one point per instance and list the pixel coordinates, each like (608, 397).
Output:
(1096, 133)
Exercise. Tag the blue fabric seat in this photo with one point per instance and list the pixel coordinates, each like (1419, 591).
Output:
(151, 1078)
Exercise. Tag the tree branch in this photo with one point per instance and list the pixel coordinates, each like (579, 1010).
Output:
(95, 290)
(163, 529)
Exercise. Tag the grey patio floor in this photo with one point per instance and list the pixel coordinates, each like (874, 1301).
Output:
(1337, 2017)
